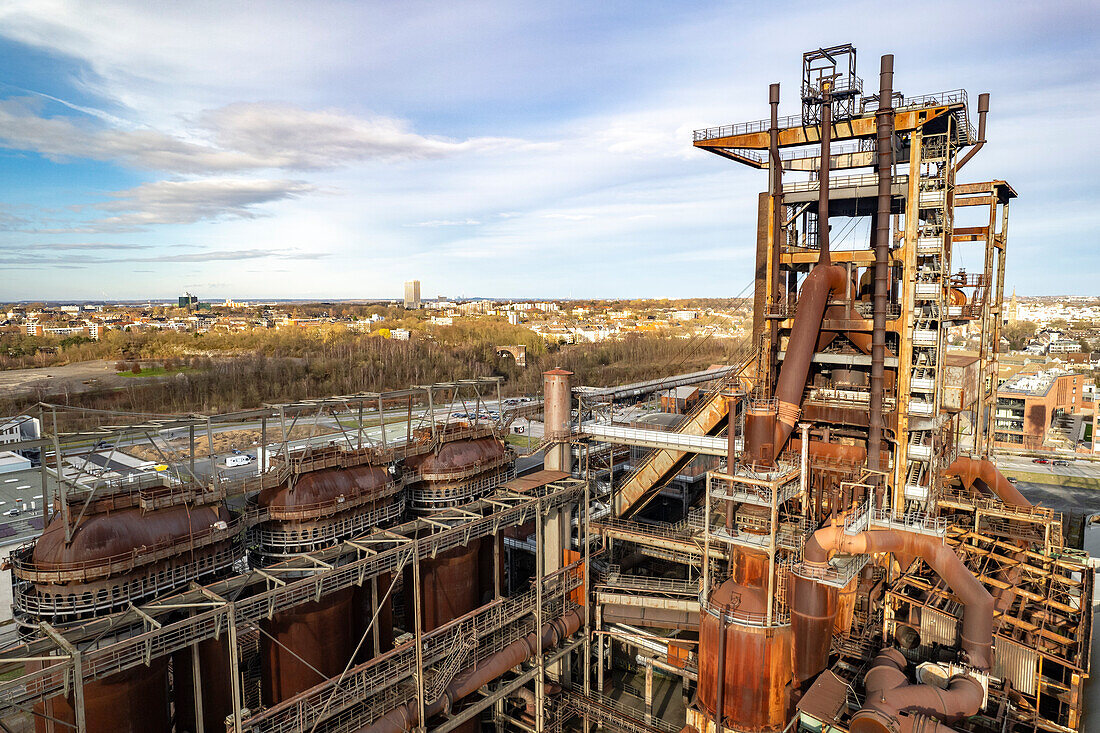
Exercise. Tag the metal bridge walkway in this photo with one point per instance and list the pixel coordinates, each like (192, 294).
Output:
(641, 485)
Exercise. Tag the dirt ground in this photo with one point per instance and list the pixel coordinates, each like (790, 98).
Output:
(71, 378)
(244, 440)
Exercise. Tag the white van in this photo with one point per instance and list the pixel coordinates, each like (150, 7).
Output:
(241, 460)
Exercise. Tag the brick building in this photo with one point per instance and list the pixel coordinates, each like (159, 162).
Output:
(1027, 405)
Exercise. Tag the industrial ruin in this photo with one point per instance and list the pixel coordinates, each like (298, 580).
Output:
(819, 542)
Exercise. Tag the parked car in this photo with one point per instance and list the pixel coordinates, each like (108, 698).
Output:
(1039, 460)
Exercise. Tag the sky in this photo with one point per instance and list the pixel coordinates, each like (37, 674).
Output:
(330, 150)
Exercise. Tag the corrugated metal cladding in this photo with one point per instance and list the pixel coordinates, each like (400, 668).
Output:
(937, 627)
(1017, 664)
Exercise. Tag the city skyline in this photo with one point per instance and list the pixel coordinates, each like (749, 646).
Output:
(485, 148)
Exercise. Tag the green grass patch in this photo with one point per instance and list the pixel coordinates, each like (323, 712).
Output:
(155, 372)
(1054, 479)
(521, 441)
(13, 674)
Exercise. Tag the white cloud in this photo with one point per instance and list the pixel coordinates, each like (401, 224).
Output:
(187, 202)
(242, 137)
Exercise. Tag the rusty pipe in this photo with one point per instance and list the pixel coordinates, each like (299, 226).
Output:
(891, 698)
(983, 110)
(720, 692)
(823, 180)
(775, 165)
(824, 280)
(466, 682)
(968, 470)
(884, 146)
(527, 696)
(977, 622)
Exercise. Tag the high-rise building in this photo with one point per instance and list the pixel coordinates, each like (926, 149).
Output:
(412, 294)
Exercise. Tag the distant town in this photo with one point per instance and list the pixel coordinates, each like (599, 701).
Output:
(557, 321)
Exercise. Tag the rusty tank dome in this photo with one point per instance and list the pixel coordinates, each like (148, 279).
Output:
(98, 537)
(320, 487)
(458, 455)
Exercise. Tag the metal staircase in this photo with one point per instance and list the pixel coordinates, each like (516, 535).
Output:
(934, 228)
(637, 488)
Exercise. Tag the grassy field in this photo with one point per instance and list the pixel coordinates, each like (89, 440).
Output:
(157, 371)
(1053, 479)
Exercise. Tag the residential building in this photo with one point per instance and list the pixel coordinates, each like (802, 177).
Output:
(1028, 404)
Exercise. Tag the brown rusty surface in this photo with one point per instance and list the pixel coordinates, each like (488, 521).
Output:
(364, 611)
(134, 701)
(103, 536)
(322, 634)
(845, 607)
(217, 701)
(449, 585)
(320, 487)
(759, 437)
(813, 610)
(757, 664)
(458, 455)
(530, 482)
(558, 400)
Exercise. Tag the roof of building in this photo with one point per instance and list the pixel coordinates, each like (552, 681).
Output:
(1037, 384)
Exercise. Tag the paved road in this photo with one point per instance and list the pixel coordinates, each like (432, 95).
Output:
(1066, 499)
(1082, 468)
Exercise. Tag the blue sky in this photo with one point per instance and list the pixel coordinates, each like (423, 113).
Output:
(500, 149)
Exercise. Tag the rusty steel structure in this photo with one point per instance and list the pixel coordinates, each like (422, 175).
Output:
(858, 563)
(355, 577)
(820, 542)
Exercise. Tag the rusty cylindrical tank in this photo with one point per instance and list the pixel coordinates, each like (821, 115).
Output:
(449, 585)
(450, 476)
(556, 417)
(759, 436)
(757, 665)
(134, 701)
(302, 647)
(215, 685)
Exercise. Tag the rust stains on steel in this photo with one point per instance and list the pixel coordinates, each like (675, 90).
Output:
(135, 701)
(971, 470)
(469, 680)
(303, 647)
(884, 145)
(744, 664)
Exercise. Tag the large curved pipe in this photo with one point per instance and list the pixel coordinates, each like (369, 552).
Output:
(814, 605)
(824, 280)
(892, 699)
(968, 470)
(469, 680)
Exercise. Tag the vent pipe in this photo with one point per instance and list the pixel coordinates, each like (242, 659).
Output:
(983, 109)
(884, 145)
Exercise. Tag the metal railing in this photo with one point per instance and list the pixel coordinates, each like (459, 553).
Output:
(615, 579)
(428, 497)
(320, 509)
(613, 713)
(211, 623)
(26, 568)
